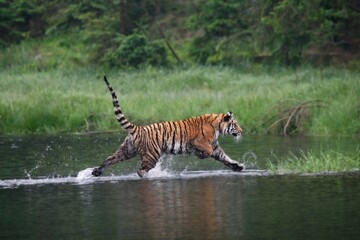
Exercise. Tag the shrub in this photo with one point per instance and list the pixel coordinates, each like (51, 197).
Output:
(136, 50)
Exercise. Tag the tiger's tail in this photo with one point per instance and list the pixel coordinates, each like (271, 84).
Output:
(124, 123)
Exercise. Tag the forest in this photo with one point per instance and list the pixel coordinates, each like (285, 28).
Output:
(138, 33)
(285, 67)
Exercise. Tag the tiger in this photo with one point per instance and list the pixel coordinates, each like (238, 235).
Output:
(195, 135)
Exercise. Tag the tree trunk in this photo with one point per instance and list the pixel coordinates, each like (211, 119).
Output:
(123, 17)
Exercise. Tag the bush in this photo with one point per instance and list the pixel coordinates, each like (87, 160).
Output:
(136, 50)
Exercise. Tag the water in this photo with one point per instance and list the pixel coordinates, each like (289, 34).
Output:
(47, 192)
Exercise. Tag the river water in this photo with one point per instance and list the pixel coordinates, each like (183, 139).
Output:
(47, 192)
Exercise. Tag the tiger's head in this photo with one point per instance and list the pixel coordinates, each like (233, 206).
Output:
(229, 126)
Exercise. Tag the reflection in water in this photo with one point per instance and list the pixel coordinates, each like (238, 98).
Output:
(212, 207)
(160, 209)
(174, 210)
(193, 206)
(322, 207)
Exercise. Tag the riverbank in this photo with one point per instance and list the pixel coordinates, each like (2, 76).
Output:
(277, 101)
(316, 162)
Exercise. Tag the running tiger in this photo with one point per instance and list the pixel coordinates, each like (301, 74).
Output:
(197, 135)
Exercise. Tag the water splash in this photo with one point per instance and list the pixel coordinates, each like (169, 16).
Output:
(85, 174)
(160, 171)
(250, 160)
(28, 173)
(14, 183)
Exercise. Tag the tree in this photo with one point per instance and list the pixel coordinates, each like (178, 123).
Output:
(19, 20)
(300, 25)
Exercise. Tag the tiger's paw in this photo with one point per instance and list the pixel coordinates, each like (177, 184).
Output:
(98, 171)
(237, 167)
(142, 173)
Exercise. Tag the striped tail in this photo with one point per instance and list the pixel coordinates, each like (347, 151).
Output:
(124, 123)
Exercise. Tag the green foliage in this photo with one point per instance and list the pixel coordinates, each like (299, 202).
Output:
(113, 42)
(19, 20)
(289, 32)
(136, 50)
(218, 18)
(63, 53)
(223, 32)
(201, 49)
(297, 25)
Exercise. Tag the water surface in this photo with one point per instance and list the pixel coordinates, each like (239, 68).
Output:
(46, 192)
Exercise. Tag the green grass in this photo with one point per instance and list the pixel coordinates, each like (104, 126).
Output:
(328, 161)
(53, 52)
(76, 100)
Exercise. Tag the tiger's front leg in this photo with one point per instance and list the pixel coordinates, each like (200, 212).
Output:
(124, 152)
(220, 155)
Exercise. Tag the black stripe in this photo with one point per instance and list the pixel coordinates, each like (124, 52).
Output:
(228, 128)
(173, 139)
(168, 134)
(157, 150)
(146, 132)
(134, 129)
(152, 156)
(181, 139)
(116, 104)
(175, 127)
(137, 137)
(186, 129)
(152, 149)
(157, 129)
(105, 79)
(153, 144)
(128, 127)
(150, 136)
(213, 120)
(164, 144)
(169, 123)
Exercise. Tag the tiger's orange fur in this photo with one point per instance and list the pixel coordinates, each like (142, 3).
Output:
(197, 135)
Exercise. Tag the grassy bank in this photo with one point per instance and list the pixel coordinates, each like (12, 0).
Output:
(76, 100)
(317, 162)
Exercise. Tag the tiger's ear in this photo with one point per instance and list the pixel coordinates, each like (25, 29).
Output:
(227, 116)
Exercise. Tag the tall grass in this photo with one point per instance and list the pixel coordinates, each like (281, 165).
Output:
(328, 161)
(76, 100)
(53, 52)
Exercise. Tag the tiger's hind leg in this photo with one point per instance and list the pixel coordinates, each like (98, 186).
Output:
(148, 162)
(220, 155)
(125, 151)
